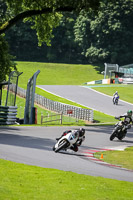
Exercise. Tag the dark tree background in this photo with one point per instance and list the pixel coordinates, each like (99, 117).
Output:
(92, 31)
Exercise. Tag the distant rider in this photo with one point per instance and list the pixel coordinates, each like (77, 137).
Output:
(115, 95)
(127, 118)
(81, 137)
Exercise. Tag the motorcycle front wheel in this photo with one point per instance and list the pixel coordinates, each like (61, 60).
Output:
(62, 145)
(113, 135)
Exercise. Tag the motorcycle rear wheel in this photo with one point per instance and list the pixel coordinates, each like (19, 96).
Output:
(116, 101)
(62, 145)
(122, 135)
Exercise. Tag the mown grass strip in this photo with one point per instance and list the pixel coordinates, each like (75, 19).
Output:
(124, 91)
(57, 73)
(122, 158)
(19, 181)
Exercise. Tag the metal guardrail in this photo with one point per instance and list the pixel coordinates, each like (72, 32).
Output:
(8, 115)
(76, 112)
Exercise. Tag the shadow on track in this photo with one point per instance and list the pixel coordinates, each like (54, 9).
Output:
(26, 141)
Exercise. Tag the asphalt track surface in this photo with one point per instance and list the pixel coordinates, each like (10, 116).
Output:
(33, 146)
(89, 98)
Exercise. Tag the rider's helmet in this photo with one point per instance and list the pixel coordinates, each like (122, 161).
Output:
(81, 132)
(129, 113)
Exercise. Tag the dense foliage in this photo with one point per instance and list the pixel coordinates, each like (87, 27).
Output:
(107, 37)
(23, 43)
(69, 31)
(6, 65)
(43, 17)
(81, 38)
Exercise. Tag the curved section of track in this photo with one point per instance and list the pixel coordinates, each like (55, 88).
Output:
(33, 146)
(89, 98)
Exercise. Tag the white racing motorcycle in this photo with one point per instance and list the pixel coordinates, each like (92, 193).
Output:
(66, 142)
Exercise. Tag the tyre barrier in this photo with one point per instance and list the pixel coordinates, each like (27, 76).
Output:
(8, 115)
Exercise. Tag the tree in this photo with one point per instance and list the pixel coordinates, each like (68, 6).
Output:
(44, 14)
(23, 43)
(6, 65)
(109, 34)
(113, 30)
(82, 32)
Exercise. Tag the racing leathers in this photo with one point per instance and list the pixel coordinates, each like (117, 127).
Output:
(115, 96)
(127, 120)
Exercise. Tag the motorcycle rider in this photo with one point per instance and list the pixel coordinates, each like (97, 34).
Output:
(115, 95)
(127, 118)
(81, 137)
(121, 127)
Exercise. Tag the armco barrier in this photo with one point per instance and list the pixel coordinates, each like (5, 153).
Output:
(8, 115)
(76, 112)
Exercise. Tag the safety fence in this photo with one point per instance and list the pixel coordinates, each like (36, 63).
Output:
(8, 115)
(73, 111)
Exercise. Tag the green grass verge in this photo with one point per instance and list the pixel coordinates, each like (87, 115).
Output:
(19, 181)
(124, 91)
(122, 158)
(57, 74)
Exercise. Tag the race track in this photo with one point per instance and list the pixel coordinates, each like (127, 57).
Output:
(33, 146)
(89, 98)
